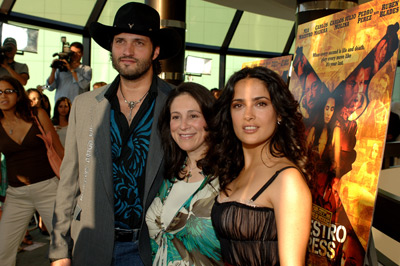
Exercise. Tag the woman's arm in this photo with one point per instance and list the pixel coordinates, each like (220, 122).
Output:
(292, 205)
(336, 149)
(310, 136)
(48, 127)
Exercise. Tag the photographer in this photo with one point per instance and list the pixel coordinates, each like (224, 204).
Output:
(8, 67)
(69, 77)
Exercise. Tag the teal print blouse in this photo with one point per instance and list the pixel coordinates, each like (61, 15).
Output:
(190, 237)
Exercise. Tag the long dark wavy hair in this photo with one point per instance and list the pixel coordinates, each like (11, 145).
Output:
(23, 106)
(174, 155)
(320, 123)
(226, 159)
(56, 114)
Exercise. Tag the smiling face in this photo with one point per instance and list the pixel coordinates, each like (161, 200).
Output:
(35, 98)
(7, 101)
(132, 55)
(188, 124)
(253, 115)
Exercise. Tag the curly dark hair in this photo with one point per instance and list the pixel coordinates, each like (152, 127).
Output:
(23, 107)
(226, 159)
(56, 114)
(174, 155)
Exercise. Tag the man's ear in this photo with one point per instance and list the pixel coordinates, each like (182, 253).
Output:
(156, 52)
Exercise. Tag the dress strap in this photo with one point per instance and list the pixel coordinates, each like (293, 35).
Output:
(269, 182)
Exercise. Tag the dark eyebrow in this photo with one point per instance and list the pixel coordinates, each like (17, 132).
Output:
(254, 99)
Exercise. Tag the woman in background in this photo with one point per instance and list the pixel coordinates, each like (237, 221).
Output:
(179, 219)
(33, 186)
(61, 116)
(263, 213)
(39, 99)
(36, 97)
(320, 135)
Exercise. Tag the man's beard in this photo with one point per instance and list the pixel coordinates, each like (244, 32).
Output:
(142, 67)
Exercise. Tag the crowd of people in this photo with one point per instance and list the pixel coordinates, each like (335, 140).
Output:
(154, 174)
(28, 181)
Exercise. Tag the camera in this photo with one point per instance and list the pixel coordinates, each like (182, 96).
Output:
(4, 49)
(65, 53)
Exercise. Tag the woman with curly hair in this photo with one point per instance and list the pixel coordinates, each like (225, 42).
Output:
(179, 219)
(262, 215)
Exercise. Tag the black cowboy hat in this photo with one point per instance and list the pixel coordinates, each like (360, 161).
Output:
(141, 19)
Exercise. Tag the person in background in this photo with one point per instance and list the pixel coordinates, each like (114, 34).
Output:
(9, 67)
(113, 164)
(33, 186)
(45, 100)
(215, 92)
(36, 97)
(75, 80)
(61, 116)
(320, 136)
(179, 216)
(37, 100)
(99, 85)
(263, 213)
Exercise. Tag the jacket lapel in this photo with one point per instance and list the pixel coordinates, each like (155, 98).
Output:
(155, 153)
(101, 118)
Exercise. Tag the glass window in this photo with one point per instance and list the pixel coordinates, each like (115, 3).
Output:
(234, 63)
(208, 81)
(261, 33)
(49, 43)
(207, 23)
(72, 11)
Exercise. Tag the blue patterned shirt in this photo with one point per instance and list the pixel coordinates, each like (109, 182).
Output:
(129, 147)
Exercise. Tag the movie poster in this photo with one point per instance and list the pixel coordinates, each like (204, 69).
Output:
(280, 65)
(343, 74)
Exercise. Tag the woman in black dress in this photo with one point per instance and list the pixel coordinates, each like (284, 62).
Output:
(263, 167)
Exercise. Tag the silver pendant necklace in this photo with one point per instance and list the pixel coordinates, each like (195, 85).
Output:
(132, 104)
(11, 130)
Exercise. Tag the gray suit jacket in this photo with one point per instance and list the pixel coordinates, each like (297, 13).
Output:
(84, 212)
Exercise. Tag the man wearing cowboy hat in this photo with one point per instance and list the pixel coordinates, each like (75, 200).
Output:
(112, 167)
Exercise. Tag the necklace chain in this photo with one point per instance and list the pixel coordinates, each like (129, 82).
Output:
(132, 104)
(188, 174)
(11, 130)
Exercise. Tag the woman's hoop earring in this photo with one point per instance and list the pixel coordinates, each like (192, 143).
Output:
(279, 122)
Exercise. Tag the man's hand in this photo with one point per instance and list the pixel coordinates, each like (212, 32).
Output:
(66, 64)
(61, 262)
(22, 78)
(4, 64)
